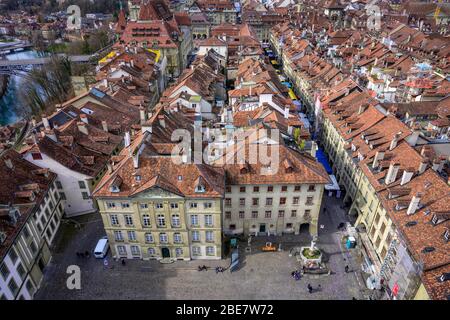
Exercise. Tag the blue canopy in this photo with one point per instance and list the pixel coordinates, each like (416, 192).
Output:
(322, 158)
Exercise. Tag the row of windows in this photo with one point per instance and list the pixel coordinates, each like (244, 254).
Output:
(269, 201)
(158, 205)
(161, 220)
(289, 226)
(163, 237)
(135, 251)
(268, 214)
(311, 188)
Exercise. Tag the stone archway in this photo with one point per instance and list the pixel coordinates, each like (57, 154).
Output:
(304, 228)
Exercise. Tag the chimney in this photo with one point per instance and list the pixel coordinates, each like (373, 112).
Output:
(162, 122)
(51, 134)
(127, 139)
(395, 141)
(286, 112)
(392, 173)
(45, 122)
(82, 127)
(105, 125)
(313, 148)
(142, 114)
(362, 108)
(136, 160)
(110, 167)
(438, 164)
(414, 204)
(379, 156)
(84, 118)
(9, 163)
(423, 166)
(407, 175)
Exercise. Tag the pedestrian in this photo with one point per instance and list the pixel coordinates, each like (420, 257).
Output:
(310, 288)
(354, 298)
(86, 253)
(346, 269)
(123, 261)
(78, 254)
(82, 254)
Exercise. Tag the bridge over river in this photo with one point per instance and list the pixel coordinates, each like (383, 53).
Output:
(15, 67)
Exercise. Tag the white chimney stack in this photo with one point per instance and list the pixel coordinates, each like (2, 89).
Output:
(110, 167)
(162, 121)
(414, 204)
(136, 160)
(407, 176)
(82, 127)
(84, 118)
(392, 173)
(395, 141)
(127, 139)
(51, 134)
(105, 125)
(379, 156)
(45, 122)
(286, 112)
(9, 163)
(423, 166)
(142, 114)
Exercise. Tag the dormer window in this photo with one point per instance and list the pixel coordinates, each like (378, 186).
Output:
(444, 277)
(446, 235)
(180, 178)
(200, 185)
(115, 184)
(200, 188)
(137, 178)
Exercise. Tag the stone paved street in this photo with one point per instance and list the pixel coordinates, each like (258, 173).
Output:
(262, 275)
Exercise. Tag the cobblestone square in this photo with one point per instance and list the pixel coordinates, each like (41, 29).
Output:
(262, 275)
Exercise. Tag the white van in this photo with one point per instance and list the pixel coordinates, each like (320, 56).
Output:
(101, 249)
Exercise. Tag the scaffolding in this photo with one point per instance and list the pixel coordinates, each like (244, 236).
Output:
(400, 272)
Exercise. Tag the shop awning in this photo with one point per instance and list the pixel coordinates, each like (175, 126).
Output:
(333, 185)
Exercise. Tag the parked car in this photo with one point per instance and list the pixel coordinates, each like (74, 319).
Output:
(101, 249)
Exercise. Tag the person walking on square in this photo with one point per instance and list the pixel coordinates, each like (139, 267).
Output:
(310, 288)
(346, 269)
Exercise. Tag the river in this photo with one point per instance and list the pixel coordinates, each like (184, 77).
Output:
(12, 103)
